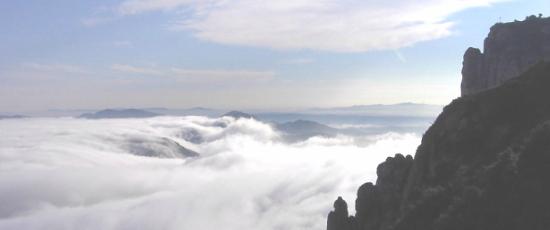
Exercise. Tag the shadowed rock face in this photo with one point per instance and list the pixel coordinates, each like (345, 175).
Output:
(484, 164)
(339, 218)
(509, 50)
(379, 204)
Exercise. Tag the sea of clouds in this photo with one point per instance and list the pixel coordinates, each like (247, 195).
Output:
(66, 173)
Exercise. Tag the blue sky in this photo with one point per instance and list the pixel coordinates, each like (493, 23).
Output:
(239, 54)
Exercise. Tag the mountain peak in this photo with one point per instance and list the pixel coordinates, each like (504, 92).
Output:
(509, 50)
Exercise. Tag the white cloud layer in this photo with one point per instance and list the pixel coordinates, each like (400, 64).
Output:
(333, 25)
(76, 174)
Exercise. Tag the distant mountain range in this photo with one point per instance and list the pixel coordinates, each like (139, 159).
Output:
(297, 130)
(301, 130)
(194, 111)
(12, 117)
(401, 109)
(119, 113)
(238, 114)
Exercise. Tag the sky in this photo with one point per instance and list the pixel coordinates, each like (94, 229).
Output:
(239, 54)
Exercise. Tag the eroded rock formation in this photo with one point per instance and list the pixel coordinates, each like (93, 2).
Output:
(483, 165)
(509, 50)
(339, 219)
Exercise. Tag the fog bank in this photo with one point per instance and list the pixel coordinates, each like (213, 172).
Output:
(79, 174)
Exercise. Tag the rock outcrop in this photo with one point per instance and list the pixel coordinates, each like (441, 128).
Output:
(377, 205)
(339, 219)
(509, 50)
(484, 164)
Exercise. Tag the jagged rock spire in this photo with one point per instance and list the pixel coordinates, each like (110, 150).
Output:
(339, 219)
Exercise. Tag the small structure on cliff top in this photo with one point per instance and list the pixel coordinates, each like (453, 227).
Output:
(509, 50)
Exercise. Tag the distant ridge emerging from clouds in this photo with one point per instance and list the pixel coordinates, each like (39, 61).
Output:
(11, 116)
(401, 109)
(119, 113)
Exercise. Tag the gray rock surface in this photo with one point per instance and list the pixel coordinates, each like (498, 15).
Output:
(509, 50)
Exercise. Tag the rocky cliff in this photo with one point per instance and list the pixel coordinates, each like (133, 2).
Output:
(484, 164)
(509, 50)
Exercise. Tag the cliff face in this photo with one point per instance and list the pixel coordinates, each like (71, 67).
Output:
(509, 50)
(484, 164)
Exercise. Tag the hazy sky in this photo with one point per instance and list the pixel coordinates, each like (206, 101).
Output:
(244, 54)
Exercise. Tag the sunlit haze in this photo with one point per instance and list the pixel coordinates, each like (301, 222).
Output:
(239, 54)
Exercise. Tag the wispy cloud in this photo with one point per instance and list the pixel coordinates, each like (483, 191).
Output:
(400, 56)
(136, 69)
(298, 61)
(197, 75)
(129, 7)
(65, 68)
(331, 25)
(194, 74)
(100, 15)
